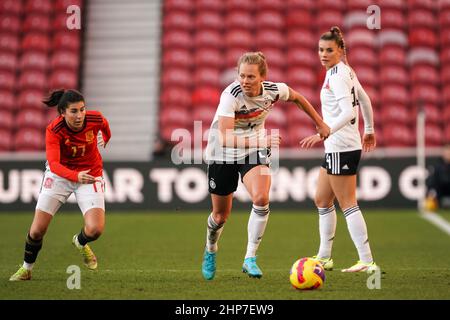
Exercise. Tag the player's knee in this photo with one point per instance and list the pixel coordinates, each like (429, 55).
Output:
(37, 234)
(94, 231)
(220, 217)
(260, 200)
(322, 203)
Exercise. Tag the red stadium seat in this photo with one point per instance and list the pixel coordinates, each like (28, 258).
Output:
(301, 57)
(177, 20)
(392, 37)
(34, 61)
(9, 43)
(241, 20)
(267, 38)
(298, 19)
(66, 60)
(179, 58)
(276, 74)
(302, 38)
(393, 19)
(8, 61)
(392, 4)
(208, 21)
(203, 114)
(392, 55)
(238, 39)
(7, 80)
(28, 139)
(11, 7)
(36, 23)
(270, 5)
(277, 117)
(362, 56)
(30, 99)
(10, 24)
(205, 95)
(301, 76)
(424, 74)
(446, 94)
(208, 57)
(355, 19)
(394, 94)
(62, 5)
(433, 135)
(175, 96)
(176, 77)
(7, 100)
(295, 116)
(59, 22)
(301, 5)
(6, 119)
(232, 55)
(239, 5)
(30, 118)
(175, 116)
(6, 140)
(424, 4)
(39, 6)
(50, 114)
(422, 18)
(426, 94)
(269, 20)
(209, 5)
(393, 75)
(177, 39)
(33, 80)
(360, 5)
(183, 5)
(360, 37)
(366, 75)
(206, 76)
(433, 114)
(327, 18)
(396, 113)
(66, 40)
(447, 133)
(63, 79)
(301, 131)
(423, 37)
(445, 39)
(274, 56)
(208, 39)
(36, 42)
(331, 5)
(423, 56)
(444, 18)
(397, 135)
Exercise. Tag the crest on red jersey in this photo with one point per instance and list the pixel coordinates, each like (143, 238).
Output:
(90, 136)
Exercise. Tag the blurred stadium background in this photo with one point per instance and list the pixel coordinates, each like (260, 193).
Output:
(154, 66)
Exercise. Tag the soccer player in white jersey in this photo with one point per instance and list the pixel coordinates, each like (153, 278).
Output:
(238, 144)
(341, 95)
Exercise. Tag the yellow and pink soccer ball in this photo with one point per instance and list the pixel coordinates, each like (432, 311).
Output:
(307, 274)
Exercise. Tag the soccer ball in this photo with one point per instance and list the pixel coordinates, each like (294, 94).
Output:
(307, 274)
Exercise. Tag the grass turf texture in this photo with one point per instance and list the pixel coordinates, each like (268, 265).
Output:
(158, 256)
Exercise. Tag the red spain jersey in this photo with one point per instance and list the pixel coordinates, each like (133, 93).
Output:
(69, 152)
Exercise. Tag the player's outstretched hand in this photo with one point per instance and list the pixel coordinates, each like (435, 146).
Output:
(310, 141)
(85, 178)
(369, 142)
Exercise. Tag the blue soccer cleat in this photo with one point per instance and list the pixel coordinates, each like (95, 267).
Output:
(209, 265)
(251, 268)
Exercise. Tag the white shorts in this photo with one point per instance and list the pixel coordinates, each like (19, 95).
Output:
(55, 190)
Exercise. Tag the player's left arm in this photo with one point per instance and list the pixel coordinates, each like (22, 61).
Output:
(368, 140)
(106, 131)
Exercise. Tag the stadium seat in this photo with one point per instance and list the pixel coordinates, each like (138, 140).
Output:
(301, 57)
(269, 20)
(9, 43)
(30, 99)
(360, 5)
(294, 115)
(59, 23)
(239, 39)
(394, 94)
(179, 58)
(207, 20)
(433, 113)
(433, 135)
(175, 96)
(301, 5)
(423, 37)
(8, 61)
(30, 118)
(275, 57)
(174, 116)
(6, 140)
(327, 18)
(28, 139)
(366, 75)
(302, 38)
(34, 61)
(232, 55)
(270, 5)
(7, 80)
(392, 4)
(392, 55)
(39, 6)
(393, 19)
(302, 19)
(206, 76)
(396, 113)
(33, 79)
(208, 57)
(362, 56)
(301, 131)
(204, 114)
(424, 74)
(177, 39)
(209, 5)
(422, 19)
(177, 20)
(355, 19)
(10, 24)
(267, 38)
(64, 40)
(6, 119)
(422, 4)
(36, 42)
(425, 93)
(277, 117)
(393, 75)
(62, 5)
(360, 37)
(301, 76)
(444, 18)
(36, 23)
(66, 60)
(398, 135)
(240, 20)
(173, 76)
(208, 39)
(392, 38)
(445, 39)
(276, 74)
(11, 7)
(181, 5)
(7, 100)
(331, 5)
(423, 56)
(206, 95)
(63, 79)
(239, 5)
(446, 94)
(447, 133)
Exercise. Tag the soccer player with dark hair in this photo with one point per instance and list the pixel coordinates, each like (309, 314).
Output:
(341, 97)
(238, 145)
(74, 165)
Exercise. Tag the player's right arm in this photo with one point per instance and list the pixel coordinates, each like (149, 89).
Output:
(53, 153)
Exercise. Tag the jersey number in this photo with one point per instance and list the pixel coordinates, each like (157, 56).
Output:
(75, 150)
(355, 102)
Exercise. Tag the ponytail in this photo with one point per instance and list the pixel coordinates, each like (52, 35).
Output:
(62, 98)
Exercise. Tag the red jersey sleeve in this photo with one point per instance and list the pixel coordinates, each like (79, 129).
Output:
(106, 131)
(52, 147)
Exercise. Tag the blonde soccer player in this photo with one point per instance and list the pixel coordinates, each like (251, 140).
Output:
(341, 96)
(238, 145)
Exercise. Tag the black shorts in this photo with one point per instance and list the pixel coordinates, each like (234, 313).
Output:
(223, 176)
(342, 163)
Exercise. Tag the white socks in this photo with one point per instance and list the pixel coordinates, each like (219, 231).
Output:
(358, 231)
(212, 234)
(256, 226)
(28, 266)
(327, 229)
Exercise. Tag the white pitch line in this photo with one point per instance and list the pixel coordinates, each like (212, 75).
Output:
(437, 220)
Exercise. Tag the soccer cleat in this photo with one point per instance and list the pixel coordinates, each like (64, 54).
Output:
(89, 259)
(251, 268)
(362, 267)
(21, 274)
(209, 265)
(327, 263)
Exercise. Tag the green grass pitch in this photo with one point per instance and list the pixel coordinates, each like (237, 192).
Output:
(158, 256)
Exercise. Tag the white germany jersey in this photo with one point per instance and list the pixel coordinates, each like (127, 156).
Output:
(340, 82)
(249, 114)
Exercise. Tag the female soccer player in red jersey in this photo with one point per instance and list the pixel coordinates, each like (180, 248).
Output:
(74, 165)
